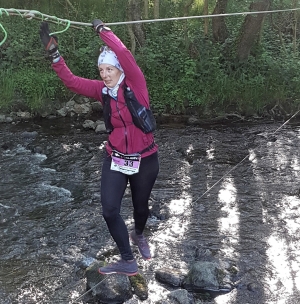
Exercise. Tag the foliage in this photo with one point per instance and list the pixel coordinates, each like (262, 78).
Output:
(184, 69)
(7, 90)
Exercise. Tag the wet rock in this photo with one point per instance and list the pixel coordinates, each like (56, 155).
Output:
(96, 106)
(62, 112)
(85, 262)
(203, 275)
(80, 99)
(2, 118)
(79, 107)
(29, 135)
(100, 127)
(181, 296)
(88, 124)
(115, 288)
(193, 120)
(70, 104)
(5, 119)
(169, 276)
(82, 108)
(207, 280)
(24, 115)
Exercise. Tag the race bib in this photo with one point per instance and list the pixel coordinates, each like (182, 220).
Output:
(126, 163)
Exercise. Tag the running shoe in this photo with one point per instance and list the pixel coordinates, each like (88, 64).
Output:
(129, 268)
(141, 242)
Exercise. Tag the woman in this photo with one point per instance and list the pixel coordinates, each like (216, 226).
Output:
(131, 155)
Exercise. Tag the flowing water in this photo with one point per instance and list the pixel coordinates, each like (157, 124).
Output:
(230, 191)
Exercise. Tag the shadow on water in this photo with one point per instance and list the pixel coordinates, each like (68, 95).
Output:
(232, 221)
(50, 213)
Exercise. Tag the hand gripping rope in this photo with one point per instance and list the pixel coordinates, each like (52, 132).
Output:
(33, 14)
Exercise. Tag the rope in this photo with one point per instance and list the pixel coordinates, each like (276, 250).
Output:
(30, 14)
(5, 34)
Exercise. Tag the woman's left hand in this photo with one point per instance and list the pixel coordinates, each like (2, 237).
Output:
(97, 25)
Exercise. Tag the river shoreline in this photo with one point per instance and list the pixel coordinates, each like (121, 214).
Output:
(80, 108)
(162, 119)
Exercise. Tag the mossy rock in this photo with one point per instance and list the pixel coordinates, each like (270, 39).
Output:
(140, 286)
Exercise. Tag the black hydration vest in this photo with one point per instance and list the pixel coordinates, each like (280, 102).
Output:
(142, 117)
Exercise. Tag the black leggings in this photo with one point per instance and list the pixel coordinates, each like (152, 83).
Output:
(113, 186)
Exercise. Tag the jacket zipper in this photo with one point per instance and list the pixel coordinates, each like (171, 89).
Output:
(125, 133)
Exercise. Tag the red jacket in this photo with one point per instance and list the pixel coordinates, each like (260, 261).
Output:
(126, 137)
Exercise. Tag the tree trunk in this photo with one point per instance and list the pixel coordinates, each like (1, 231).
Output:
(219, 28)
(146, 9)
(251, 29)
(136, 31)
(206, 20)
(295, 27)
(156, 9)
(279, 34)
(186, 12)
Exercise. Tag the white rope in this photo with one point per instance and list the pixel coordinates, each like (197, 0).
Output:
(31, 13)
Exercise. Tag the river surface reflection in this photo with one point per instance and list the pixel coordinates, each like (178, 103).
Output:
(231, 190)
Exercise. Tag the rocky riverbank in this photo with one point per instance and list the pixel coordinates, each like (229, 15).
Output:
(89, 112)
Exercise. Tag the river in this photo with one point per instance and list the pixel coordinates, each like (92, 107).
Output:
(230, 190)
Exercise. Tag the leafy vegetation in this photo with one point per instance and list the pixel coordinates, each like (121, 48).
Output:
(186, 69)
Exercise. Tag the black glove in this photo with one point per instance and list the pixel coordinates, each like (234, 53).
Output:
(98, 25)
(50, 42)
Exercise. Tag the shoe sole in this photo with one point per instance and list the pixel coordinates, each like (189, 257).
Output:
(145, 258)
(126, 273)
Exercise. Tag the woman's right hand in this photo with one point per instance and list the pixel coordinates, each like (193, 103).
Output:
(50, 42)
